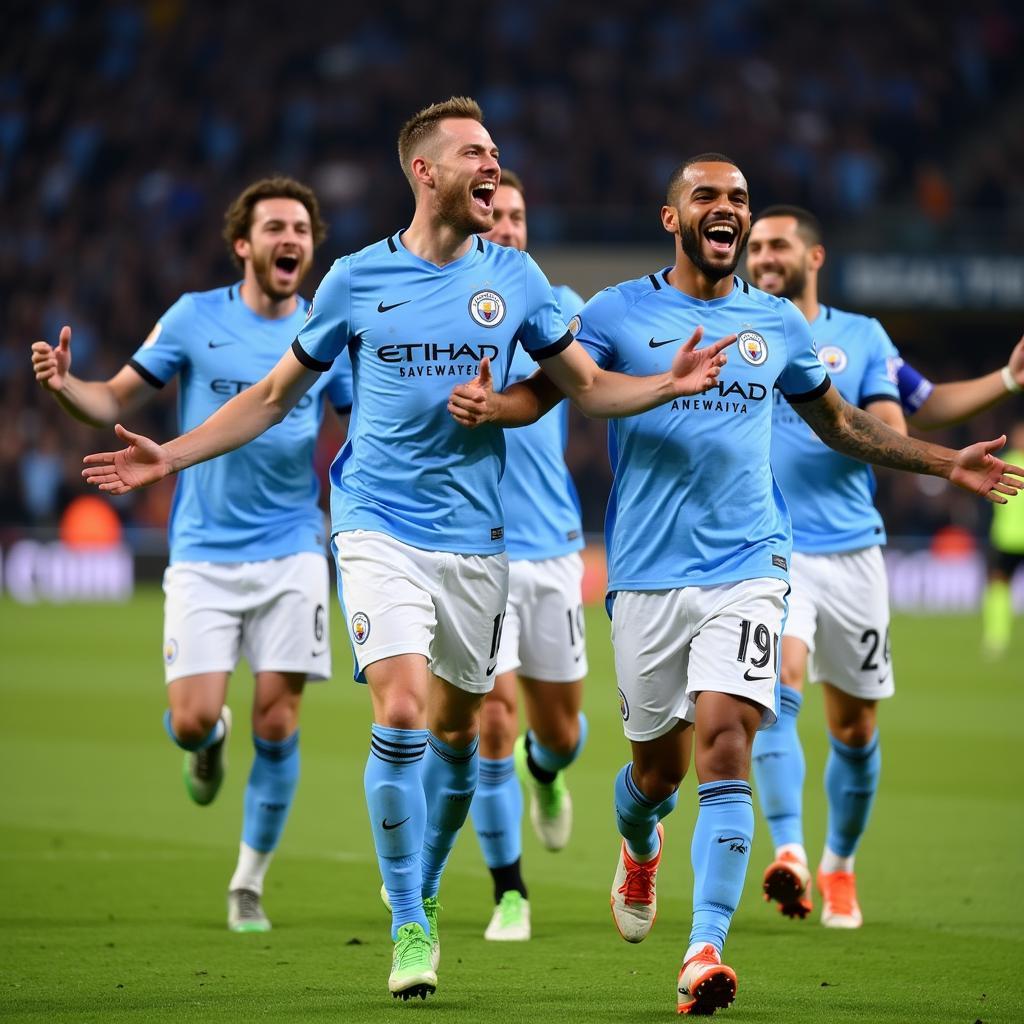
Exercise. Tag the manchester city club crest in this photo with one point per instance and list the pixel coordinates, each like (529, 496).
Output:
(833, 358)
(487, 308)
(753, 348)
(574, 325)
(623, 706)
(170, 651)
(360, 627)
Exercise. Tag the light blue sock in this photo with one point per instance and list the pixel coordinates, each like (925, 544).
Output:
(549, 760)
(779, 770)
(449, 780)
(637, 815)
(398, 814)
(269, 792)
(720, 853)
(216, 733)
(851, 781)
(497, 811)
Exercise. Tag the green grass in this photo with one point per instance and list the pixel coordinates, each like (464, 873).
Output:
(114, 883)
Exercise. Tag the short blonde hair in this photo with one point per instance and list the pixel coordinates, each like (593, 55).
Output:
(422, 126)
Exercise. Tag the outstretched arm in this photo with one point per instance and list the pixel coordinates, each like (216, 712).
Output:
(599, 393)
(236, 422)
(98, 403)
(863, 436)
(960, 400)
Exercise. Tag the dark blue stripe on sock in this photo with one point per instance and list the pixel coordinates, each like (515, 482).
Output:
(494, 773)
(276, 750)
(445, 753)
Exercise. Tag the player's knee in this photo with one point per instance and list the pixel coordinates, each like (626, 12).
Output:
(276, 722)
(726, 755)
(791, 675)
(193, 725)
(498, 725)
(657, 782)
(560, 735)
(856, 733)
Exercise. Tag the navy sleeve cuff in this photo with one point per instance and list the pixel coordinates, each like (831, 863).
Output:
(307, 360)
(809, 396)
(552, 350)
(150, 378)
(343, 410)
(868, 399)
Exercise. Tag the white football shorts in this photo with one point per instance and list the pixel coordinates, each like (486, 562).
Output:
(671, 645)
(273, 613)
(543, 635)
(397, 599)
(840, 608)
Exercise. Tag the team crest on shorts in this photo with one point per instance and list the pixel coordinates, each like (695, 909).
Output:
(170, 651)
(360, 627)
(623, 706)
(833, 358)
(753, 348)
(574, 325)
(487, 308)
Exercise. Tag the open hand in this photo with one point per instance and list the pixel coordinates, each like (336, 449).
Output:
(977, 470)
(142, 463)
(52, 365)
(696, 370)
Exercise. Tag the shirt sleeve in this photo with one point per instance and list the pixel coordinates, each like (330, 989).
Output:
(914, 388)
(339, 383)
(879, 382)
(569, 302)
(803, 378)
(328, 326)
(165, 351)
(594, 324)
(543, 332)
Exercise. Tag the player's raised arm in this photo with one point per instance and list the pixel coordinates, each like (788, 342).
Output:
(860, 435)
(960, 400)
(235, 423)
(97, 403)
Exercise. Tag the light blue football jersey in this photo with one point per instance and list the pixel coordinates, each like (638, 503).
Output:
(693, 500)
(414, 331)
(542, 508)
(258, 502)
(831, 496)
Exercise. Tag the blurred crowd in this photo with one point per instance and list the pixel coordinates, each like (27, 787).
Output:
(126, 128)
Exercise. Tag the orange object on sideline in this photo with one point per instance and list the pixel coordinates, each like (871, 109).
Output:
(90, 522)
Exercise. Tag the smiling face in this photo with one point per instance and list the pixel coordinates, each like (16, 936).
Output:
(509, 218)
(278, 251)
(780, 259)
(459, 175)
(710, 213)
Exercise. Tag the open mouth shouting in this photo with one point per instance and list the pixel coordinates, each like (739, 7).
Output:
(483, 196)
(721, 236)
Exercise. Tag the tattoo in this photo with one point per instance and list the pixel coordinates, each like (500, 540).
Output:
(862, 436)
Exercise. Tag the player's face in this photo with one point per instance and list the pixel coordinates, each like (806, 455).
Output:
(712, 217)
(466, 176)
(509, 218)
(778, 259)
(279, 246)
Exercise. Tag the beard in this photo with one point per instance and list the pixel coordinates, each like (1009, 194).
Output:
(690, 242)
(262, 266)
(452, 203)
(794, 283)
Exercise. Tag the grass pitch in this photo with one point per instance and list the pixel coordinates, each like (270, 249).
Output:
(114, 883)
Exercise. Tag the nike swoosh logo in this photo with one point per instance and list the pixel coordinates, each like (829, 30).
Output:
(316, 654)
(576, 657)
(381, 308)
(219, 344)
(657, 344)
(753, 679)
(384, 822)
(732, 839)
(882, 679)
(491, 668)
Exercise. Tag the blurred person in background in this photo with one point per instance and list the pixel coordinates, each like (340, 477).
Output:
(838, 625)
(542, 637)
(1006, 554)
(247, 574)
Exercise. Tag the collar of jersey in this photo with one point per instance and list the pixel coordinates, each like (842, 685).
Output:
(690, 300)
(462, 261)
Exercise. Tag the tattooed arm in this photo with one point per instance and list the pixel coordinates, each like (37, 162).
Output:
(862, 436)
